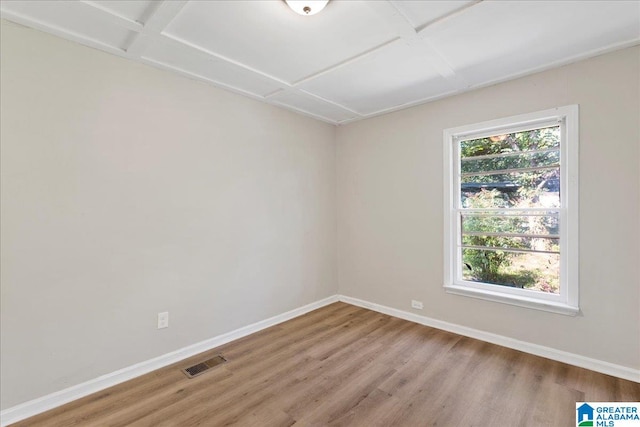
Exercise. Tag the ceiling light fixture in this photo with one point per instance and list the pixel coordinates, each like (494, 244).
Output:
(307, 7)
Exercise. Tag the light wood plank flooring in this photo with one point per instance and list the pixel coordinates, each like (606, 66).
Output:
(346, 366)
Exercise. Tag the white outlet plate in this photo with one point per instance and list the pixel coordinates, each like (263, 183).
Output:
(163, 320)
(417, 304)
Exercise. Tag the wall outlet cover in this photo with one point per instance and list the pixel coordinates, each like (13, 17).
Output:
(163, 320)
(417, 304)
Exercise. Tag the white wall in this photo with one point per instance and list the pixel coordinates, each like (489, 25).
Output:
(390, 208)
(127, 191)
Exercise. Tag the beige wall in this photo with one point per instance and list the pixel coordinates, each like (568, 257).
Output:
(127, 191)
(390, 208)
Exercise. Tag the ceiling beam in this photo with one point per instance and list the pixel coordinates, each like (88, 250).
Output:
(60, 32)
(431, 25)
(399, 23)
(297, 91)
(395, 19)
(164, 14)
(160, 14)
(345, 62)
(272, 79)
(116, 18)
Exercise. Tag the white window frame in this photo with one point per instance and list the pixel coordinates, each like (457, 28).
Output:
(566, 302)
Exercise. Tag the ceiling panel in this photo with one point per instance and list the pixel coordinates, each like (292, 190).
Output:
(354, 59)
(133, 10)
(517, 37)
(174, 55)
(312, 105)
(395, 75)
(78, 19)
(268, 36)
(420, 14)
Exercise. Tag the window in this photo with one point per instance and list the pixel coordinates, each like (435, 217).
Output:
(511, 210)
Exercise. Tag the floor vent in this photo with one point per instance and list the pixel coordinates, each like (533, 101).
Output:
(202, 367)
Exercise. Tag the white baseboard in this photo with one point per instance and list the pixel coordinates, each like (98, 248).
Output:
(50, 401)
(538, 350)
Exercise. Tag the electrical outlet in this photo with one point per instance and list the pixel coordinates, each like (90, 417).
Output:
(163, 320)
(416, 304)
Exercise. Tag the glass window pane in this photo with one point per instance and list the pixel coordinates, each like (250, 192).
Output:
(531, 189)
(513, 242)
(539, 223)
(512, 161)
(531, 271)
(536, 139)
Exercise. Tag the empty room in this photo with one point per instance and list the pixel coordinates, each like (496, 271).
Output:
(320, 213)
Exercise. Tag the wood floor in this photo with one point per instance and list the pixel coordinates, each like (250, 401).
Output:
(346, 366)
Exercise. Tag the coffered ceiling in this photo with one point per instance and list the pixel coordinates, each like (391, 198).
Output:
(355, 59)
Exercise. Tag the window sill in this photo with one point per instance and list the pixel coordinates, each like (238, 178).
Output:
(517, 300)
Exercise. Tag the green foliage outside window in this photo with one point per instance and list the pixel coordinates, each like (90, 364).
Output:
(527, 176)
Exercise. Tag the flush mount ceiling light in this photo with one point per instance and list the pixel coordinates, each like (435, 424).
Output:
(307, 7)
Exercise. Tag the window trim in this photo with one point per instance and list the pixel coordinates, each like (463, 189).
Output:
(567, 302)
